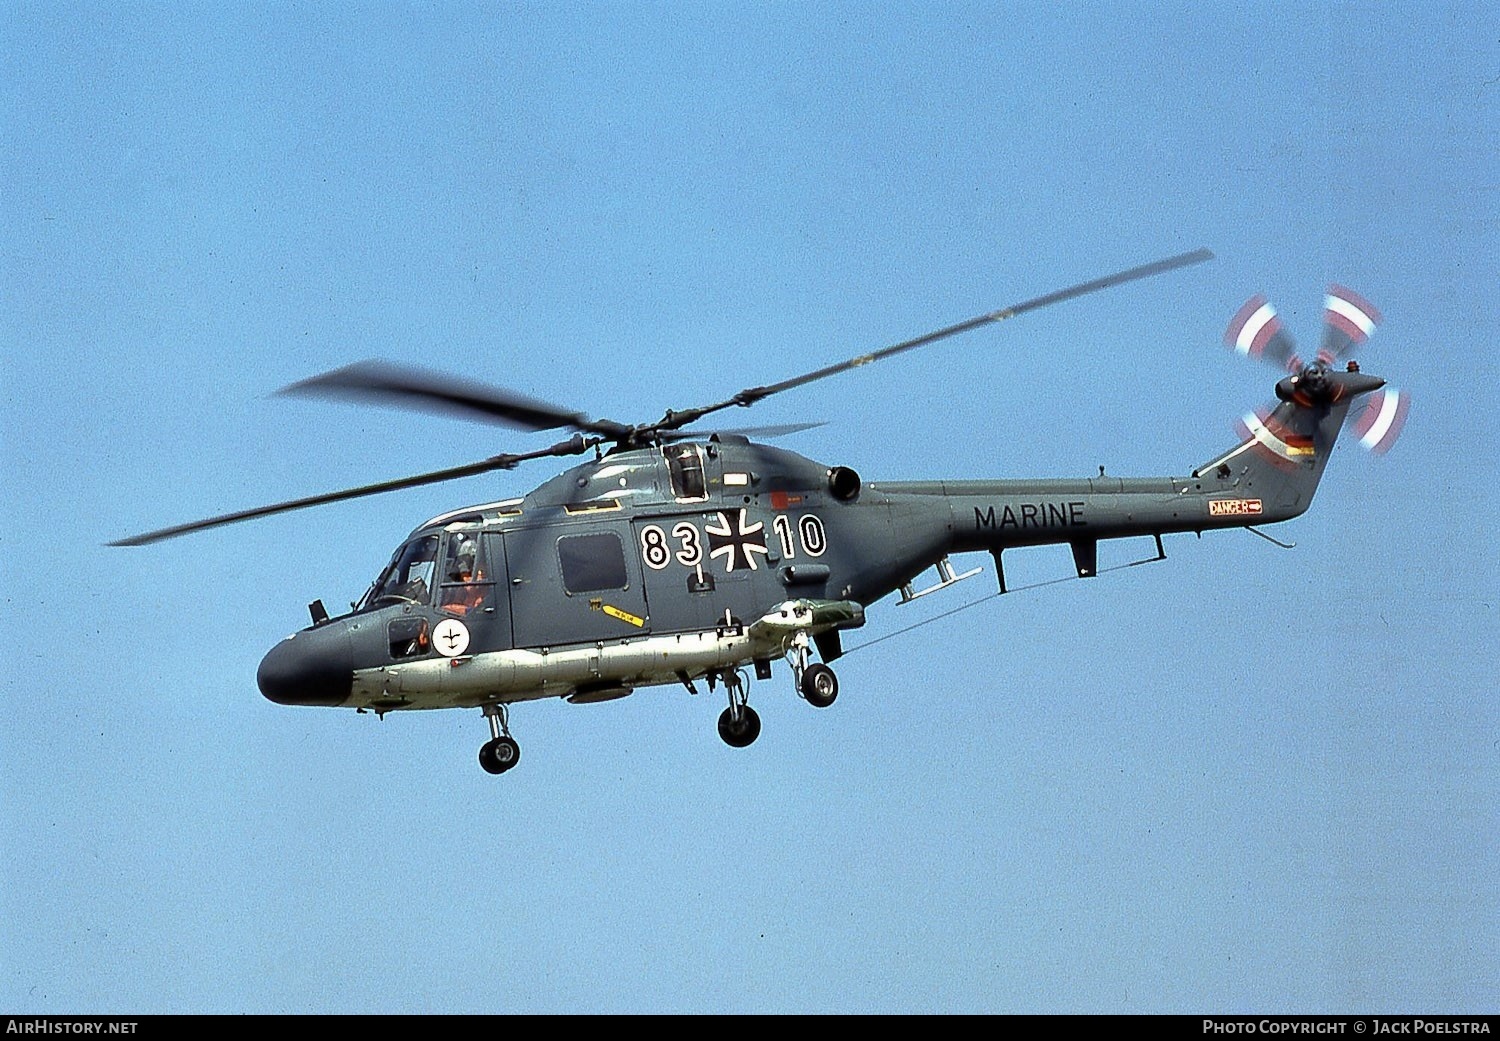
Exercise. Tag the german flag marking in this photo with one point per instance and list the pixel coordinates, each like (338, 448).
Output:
(1275, 442)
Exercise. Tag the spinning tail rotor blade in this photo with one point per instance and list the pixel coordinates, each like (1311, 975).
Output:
(1382, 420)
(1256, 332)
(1348, 321)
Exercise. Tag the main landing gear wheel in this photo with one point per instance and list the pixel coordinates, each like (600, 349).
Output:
(499, 755)
(819, 685)
(742, 732)
(739, 726)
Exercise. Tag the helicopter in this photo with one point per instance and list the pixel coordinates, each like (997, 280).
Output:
(676, 556)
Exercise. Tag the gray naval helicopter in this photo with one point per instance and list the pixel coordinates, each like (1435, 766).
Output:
(674, 557)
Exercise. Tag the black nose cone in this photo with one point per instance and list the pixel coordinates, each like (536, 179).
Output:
(313, 667)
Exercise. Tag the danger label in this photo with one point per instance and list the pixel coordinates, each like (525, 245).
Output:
(1233, 507)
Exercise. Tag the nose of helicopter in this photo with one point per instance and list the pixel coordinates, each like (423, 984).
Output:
(313, 667)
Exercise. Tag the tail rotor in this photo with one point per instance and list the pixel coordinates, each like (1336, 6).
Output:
(1349, 320)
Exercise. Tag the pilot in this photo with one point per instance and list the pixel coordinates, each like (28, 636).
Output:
(462, 599)
(461, 553)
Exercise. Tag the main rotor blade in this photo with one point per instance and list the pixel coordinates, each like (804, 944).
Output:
(767, 432)
(573, 446)
(751, 395)
(427, 391)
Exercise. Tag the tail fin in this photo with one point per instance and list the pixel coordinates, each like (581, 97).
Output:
(1279, 461)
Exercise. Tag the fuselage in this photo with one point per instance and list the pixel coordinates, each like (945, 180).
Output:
(646, 566)
(664, 564)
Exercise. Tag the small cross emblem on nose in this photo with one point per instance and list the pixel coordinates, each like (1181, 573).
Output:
(450, 637)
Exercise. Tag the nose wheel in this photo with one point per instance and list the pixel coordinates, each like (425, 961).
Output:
(500, 753)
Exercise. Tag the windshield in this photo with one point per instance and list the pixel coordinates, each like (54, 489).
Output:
(408, 577)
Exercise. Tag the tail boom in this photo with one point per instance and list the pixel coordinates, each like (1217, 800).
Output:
(1270, 476)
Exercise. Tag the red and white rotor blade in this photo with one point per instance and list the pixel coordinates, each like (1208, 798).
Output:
(1256, 332)
(1348, 321)
(1382, 420)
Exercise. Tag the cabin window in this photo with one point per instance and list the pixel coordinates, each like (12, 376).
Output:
(466, 579)
(592, 562)
(408, 637)
(408, 579)
(685, 464)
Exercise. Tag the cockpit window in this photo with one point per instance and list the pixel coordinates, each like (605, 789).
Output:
(466, 579)
(408, 579)
(685, 463)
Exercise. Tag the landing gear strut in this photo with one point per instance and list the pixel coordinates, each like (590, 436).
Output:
(739, 725)
(816, 682)
(501, 752)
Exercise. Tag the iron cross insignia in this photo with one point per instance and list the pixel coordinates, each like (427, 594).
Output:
(735, 541)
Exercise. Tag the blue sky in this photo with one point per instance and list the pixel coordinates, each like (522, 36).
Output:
(1242, 779)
